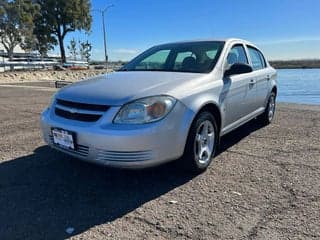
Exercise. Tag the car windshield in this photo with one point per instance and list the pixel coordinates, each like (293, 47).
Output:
(196, 57)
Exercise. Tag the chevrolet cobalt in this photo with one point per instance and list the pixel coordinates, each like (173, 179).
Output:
(173, 101)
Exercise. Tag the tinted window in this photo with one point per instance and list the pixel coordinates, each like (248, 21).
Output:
(262, 59)
(212, 53)
(198, 57)
(179, 59)
(257, 58)
(237, 54)
(154, 61)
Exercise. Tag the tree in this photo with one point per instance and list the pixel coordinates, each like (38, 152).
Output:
(85, 50)
(73, 49)
(44, 41)
(59, 17)
(16, 24)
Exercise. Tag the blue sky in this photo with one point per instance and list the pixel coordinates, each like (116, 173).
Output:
(283, 29)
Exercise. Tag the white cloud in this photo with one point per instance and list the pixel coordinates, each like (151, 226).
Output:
(125, 51)
(122, 54)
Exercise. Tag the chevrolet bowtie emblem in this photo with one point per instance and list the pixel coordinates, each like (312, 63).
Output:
(73, 110)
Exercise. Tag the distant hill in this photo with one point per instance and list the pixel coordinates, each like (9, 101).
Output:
(312, 63)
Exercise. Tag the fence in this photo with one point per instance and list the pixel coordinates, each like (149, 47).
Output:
(4, 66)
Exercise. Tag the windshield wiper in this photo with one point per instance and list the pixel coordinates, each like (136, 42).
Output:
(122, 70)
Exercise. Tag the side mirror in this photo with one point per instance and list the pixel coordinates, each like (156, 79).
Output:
(238, 68)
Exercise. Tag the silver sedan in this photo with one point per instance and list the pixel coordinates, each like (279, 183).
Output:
(173, 101)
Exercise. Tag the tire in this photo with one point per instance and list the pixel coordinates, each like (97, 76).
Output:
(268, 115)
(202, 143)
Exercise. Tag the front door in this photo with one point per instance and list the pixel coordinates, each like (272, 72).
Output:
(239, 90)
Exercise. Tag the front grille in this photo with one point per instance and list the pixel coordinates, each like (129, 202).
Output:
(79, 111)
(85, 106)
(77, 116)
(104, 155)
(80, 150)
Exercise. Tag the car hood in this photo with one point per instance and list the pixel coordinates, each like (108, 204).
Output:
(117, 88)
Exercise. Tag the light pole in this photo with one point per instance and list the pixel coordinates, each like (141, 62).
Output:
(103, 11)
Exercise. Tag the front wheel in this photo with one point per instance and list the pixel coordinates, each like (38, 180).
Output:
(201, 144)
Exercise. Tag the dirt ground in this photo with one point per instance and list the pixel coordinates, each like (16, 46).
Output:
(264, 184)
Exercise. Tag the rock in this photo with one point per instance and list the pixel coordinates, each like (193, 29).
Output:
(237, 193)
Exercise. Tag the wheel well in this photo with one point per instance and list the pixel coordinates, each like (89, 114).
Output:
(274, 89)
(214, 110)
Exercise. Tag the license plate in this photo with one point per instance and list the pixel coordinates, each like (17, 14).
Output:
(63, 138)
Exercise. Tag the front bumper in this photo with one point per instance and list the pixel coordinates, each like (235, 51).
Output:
(124, 146)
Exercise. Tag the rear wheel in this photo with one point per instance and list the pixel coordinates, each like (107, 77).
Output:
(201, 144)
(268, 114)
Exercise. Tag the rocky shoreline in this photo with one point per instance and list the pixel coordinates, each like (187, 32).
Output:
(48, 75)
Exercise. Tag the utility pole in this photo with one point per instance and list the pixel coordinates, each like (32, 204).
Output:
(104, 38)
(103, 11)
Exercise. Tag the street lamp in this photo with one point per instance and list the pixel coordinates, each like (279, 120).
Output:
(103, 11)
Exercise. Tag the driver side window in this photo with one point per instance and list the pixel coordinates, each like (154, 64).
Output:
(237, 54)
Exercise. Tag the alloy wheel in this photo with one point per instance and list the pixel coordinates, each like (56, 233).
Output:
(204, 142)
(271, 107)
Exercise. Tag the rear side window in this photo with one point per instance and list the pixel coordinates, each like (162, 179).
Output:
(257, 59)
(237, 54)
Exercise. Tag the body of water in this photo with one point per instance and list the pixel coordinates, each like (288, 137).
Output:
(299, 86)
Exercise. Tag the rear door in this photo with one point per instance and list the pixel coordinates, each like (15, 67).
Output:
(261, 75)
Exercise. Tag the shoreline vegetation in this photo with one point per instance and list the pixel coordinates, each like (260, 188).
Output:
(298, 64)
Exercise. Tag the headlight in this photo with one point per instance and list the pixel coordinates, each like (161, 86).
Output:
(145, 110)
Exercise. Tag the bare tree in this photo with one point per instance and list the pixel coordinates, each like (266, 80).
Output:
(85, 50)
(73, 49)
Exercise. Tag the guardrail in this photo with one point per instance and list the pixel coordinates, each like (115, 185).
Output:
(6, 66)
(26, 65)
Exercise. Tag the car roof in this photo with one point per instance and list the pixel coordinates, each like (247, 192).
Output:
(227, 41)
(210, 40)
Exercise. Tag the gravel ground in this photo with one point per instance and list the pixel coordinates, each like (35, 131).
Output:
(265, 184)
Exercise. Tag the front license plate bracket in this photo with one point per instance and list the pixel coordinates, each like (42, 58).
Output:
(64, 138)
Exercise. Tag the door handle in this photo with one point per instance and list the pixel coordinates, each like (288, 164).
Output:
(252, 82)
